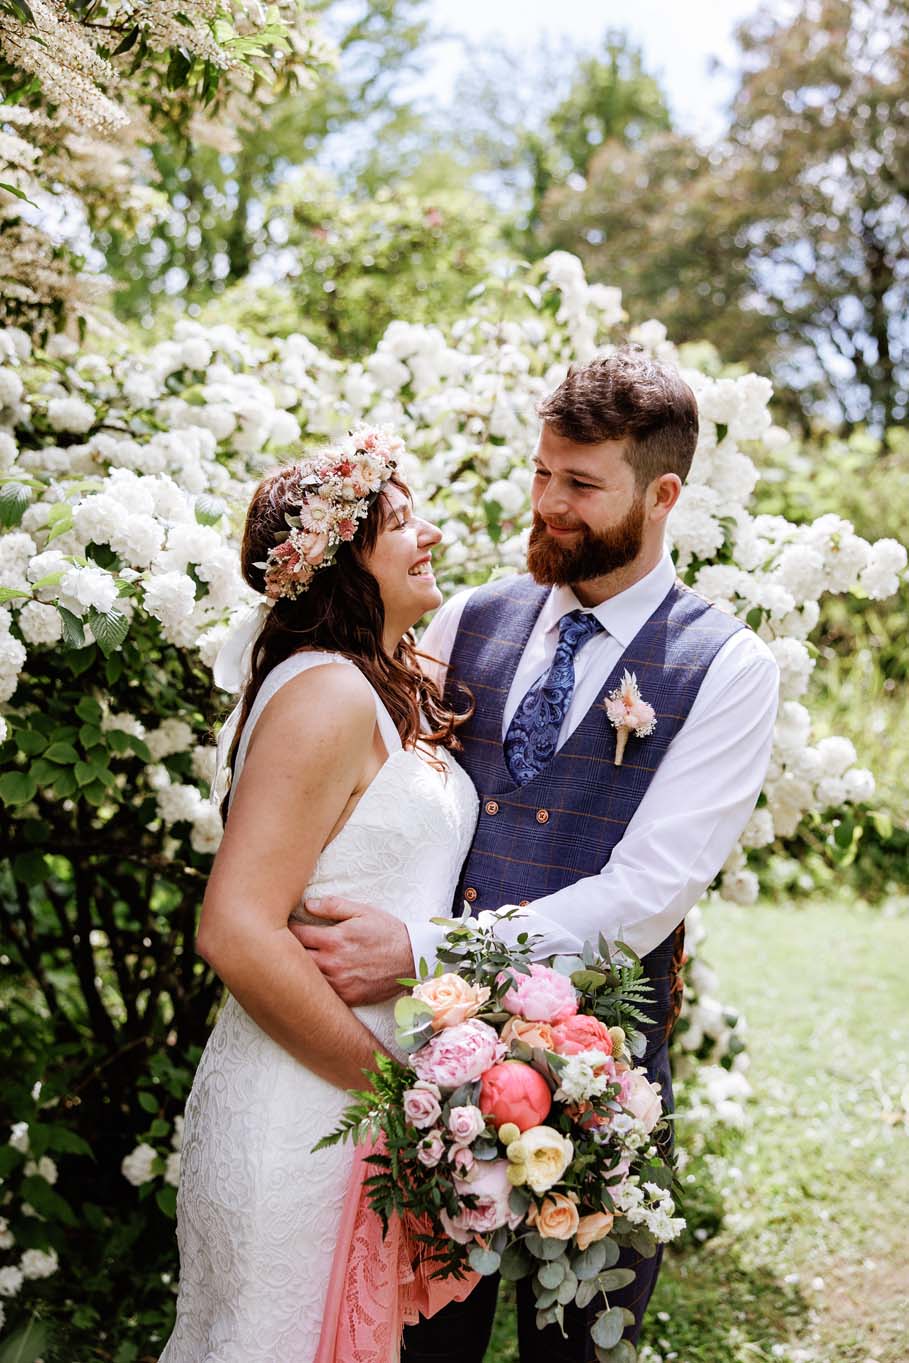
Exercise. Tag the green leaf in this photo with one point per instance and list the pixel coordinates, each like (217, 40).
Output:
(147, 1101)
(516, 1262)
(16, 192)
(844, 831)
(543, 1246)
(89, 710)
(73, 633)
(608, 1328)
(552, 1274)
(41, 1195)
(614, 1279)
(484, 1261)
(586, 980)
(166, 1199)
(29, 742)
(17, 787)
(30, 868)
(27, 1344)
(755, 616)
(13, 594)
(110, 628)
(65, 784)
(126, 43)
(62, 526)
(14, 498)
(62, 752)
(89, 735)
(413, 1023)
(84, 773)
(623, 1352)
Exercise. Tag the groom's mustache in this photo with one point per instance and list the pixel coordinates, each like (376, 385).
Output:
(554, 564)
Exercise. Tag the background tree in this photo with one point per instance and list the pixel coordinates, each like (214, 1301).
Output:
(214, 225)
(785, 244)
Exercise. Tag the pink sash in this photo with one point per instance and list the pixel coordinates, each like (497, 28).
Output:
(377, 1286)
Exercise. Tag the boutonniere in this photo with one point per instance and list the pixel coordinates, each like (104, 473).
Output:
(628, 713)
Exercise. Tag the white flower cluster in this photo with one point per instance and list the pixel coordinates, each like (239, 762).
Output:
(33, 1263)
(579, 1080)
(138, 1166)
(650, 1206)
(135, 522)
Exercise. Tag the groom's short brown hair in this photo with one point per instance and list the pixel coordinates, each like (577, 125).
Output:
(628, 396)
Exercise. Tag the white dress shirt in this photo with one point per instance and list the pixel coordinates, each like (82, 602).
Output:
(698, 801)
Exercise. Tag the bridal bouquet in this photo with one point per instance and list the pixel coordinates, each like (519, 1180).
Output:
(519, 1137)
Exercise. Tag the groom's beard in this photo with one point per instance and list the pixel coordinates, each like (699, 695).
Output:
(557, 565)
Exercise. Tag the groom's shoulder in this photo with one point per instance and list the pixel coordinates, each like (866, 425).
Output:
(517, 588)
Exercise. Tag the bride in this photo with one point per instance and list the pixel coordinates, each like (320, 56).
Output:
(342, 784)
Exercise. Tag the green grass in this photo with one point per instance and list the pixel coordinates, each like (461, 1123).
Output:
(812, 1265)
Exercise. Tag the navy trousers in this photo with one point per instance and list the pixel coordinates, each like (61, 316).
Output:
(460, 1332)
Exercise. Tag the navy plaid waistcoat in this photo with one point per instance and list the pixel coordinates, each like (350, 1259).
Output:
(535, 839)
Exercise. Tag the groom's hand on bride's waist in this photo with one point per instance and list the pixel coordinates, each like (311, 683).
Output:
(361, 951)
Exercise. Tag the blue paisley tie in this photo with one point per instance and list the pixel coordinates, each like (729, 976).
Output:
(534, 731)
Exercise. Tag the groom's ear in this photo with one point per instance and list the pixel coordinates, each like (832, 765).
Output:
(662, 495)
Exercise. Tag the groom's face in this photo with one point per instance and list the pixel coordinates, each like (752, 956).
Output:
(588, 512)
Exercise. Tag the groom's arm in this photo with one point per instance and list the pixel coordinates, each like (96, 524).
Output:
(687, 823)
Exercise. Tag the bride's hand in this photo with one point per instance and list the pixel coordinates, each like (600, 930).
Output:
(362, 951)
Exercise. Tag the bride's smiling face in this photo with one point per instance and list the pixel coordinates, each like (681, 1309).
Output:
(401, 563)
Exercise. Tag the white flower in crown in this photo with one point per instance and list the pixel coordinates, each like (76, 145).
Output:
(628, 713)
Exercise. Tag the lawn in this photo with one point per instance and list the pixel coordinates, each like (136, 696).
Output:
(812, 1265)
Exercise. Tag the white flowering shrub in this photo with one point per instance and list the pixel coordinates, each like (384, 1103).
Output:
(123, 481)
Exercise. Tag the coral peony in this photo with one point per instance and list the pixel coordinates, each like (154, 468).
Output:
(542, 996)
(581, 1033)
(515, 1092)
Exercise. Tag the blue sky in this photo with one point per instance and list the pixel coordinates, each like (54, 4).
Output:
(678, 40)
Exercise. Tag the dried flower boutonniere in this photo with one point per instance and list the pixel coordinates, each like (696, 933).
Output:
(629, 714)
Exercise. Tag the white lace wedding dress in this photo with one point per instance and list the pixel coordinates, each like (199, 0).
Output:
(257, 1211)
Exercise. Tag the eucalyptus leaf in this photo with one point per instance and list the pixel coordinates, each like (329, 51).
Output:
(608, 1328)
(546, 1297)
(552, 1274)
(543, 1246)
(623, 1352)
(614, 1279)
(516, 1262)
(586, 1293)
(484, 1261)
(591, 1261)
(588, 979)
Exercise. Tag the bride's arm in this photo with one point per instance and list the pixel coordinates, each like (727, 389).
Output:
(310, 754)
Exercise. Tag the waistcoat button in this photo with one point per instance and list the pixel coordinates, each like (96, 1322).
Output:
(522, 903)
(492, 807)
(542, 816)
(470, 894)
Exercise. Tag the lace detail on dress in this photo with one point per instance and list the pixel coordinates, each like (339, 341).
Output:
(257, 1212)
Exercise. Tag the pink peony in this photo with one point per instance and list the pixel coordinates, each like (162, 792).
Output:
(421, 1104)
(515, 1092)
(642, 1099)
(581, 1033)
(490, 1186)
(542, 996)
(458, 1054)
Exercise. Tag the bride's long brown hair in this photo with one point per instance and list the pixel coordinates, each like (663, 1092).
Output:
(341, 612)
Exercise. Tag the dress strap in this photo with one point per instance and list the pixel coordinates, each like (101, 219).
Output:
(284, 672)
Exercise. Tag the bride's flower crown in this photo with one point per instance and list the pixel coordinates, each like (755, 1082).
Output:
(334, 491)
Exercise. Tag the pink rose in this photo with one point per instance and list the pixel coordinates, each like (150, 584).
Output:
(462, 1159)
(466, 1123)
(581, 1033)
(491, 1189)
(542, 996)
(431, 1149)
(458, 1054)
(515, 1092)
(421, 1104)
(642, 1099)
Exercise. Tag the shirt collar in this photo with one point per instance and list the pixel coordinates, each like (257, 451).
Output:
(622, 615)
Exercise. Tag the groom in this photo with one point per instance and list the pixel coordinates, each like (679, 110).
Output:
(585, 844)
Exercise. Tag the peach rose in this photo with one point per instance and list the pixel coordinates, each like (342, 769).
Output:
(451, 999)
(581, 1033)
(593, 1227)
(556, 1218)
(515, 1092)
(531, 1033)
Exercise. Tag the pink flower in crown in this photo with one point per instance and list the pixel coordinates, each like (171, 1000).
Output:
(315, 513)
(346, 528)
(312, 545)
(628, 713)
(288, 572)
